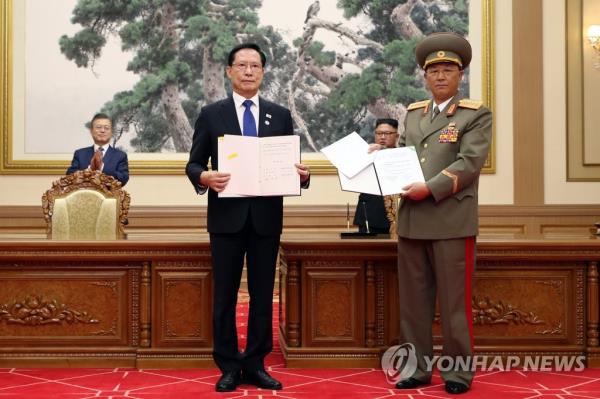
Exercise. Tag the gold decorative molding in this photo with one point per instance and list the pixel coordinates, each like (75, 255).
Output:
(577, 168)
(488, 75)
(34, 311)
(9, 165)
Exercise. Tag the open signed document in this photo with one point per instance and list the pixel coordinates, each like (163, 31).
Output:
(391, 170)
(382, 172)
(260, 166)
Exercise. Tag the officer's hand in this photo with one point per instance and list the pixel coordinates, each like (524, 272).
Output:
(416, 191)
(215, 180)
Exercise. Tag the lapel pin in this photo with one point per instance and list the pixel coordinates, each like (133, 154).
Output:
(267, 123)
(268, 116)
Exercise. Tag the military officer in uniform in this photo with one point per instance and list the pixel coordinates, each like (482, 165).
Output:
(438, 219)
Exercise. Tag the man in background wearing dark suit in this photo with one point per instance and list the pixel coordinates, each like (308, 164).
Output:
(371, 207)
(101, 156)
(238, 227)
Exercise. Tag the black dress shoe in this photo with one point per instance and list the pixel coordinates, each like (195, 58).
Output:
(410, 383)
(228, 381)
(456, 388)
(261, 379)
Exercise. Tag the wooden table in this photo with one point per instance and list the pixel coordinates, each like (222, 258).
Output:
(141, 302)
(145, 301)
(339, 299)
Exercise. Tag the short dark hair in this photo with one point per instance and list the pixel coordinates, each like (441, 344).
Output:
(251, 46)
(100, 115)
(387, 121)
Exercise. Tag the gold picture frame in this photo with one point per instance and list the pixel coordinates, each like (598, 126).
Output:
(11, 164)
(576, 46)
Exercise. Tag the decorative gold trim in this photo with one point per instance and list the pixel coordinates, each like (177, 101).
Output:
(488, 76)
(8, 165)
(577, 169)
(454, 179)
(6, 30)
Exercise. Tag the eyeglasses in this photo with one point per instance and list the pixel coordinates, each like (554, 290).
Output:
(242, 67)
(102, 127)
(439, 72)
(384, 133)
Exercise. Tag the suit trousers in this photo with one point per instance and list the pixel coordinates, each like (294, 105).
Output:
(228, 252)
(442, 267)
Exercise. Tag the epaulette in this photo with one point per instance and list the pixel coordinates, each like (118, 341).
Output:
(417, 105)
(471, 104)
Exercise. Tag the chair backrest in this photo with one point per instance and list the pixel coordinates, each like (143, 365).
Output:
(86, 205)
(391, 203)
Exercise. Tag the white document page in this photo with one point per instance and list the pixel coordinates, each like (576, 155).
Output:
(238, 155)
(260, 166)
(396, 168)
(364, 182)
(278, 175)
(349, 154)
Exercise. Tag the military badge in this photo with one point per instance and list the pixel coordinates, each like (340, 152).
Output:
(449, 134)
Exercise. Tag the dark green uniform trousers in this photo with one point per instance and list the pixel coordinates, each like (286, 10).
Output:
(442, 267)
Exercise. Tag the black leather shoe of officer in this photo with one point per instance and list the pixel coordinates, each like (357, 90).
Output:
(261, 379)
(228, 381)
(456, 388)
(410, 383)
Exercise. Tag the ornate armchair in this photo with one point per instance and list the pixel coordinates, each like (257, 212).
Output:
(87, 205)
(391, 203)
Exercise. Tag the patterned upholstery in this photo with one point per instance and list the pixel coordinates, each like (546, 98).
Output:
(85, 214)
(86, 205)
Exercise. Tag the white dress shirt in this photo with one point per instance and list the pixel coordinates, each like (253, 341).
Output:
(443, 105)
(239, 109)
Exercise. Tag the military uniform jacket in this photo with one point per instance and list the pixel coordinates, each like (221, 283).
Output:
(452, 149)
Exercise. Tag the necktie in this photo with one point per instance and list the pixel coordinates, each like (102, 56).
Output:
(249, 128)
(101, 149)
(436, 111)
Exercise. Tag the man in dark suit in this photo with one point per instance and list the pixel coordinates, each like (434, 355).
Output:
(101, 156)
(238, 227)
(438, 219)
(371, 207)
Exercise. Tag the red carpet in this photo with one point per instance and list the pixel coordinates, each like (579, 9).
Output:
(298, 383)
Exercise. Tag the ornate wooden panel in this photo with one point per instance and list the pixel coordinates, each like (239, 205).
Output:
(526, 303)
(529, 297)
(334, 304)
(182, 303)
(520, 303)
(52, 305)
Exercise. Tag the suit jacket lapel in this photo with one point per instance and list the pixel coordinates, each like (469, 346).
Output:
(89, 154)
(229, 116)
(264, 122)
(108, 153)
